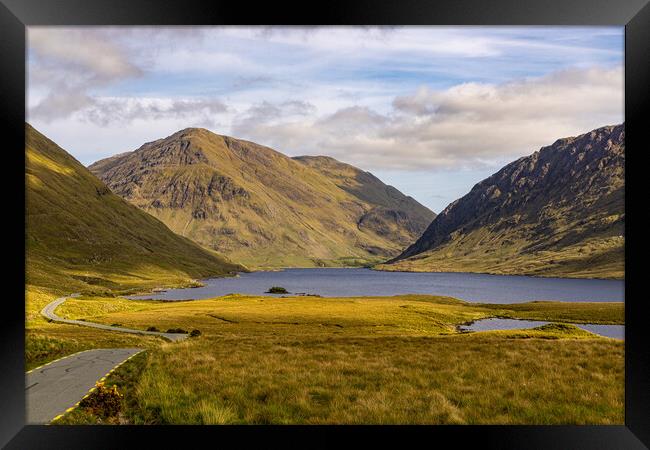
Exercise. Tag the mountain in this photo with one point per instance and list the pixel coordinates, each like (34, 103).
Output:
(262, 208)
(393, 215)
(82, 237)
(557, 212)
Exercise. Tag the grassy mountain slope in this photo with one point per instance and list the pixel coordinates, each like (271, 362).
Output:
(394, 216)
(260, 207)
(557, 212)
(82, 237)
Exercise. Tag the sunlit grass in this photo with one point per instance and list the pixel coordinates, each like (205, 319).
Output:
(576, 312)
(482, 252)
(386, 379)
(367, 360)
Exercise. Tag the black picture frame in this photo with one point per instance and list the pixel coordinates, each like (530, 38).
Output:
(15, 15)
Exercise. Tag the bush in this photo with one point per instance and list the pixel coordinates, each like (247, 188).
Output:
(103, 401)
(277, 290)
(177, 330)
(153, 329)
(195, 333)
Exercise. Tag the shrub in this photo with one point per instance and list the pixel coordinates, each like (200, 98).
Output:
(277, 290)
(152, 329)
(177, 330)
(103, 401)
(195, 333)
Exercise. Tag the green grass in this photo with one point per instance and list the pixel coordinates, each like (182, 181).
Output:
(413, 313)
(87, 307)
(41, 349)
(367, 360)
(575, 312)
(473, 379)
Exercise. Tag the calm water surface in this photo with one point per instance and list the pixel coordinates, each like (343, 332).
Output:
(613, 331)
(365, 282)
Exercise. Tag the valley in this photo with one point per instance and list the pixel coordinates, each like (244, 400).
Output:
(328, 225)
(392, 352)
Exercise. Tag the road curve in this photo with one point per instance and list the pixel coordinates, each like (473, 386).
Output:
(48, 313)
(58, 386)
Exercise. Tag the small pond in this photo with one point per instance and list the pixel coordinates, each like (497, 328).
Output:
(612, 331)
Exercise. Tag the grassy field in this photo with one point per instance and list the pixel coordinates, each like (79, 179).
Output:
(376, 360)
(573, 312)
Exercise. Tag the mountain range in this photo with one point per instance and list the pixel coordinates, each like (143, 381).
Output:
(262, 208)
(557, 212)
(198, 204)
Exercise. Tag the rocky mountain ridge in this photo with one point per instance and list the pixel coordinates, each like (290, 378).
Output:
(559, 211)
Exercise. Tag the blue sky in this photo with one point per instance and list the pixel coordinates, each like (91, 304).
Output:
(430, 110)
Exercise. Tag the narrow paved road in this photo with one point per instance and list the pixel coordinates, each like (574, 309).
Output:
(59, 385)
(48, 312)
(53, 388)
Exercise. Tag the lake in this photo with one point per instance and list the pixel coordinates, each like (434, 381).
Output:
(613, 331)
(352, 282)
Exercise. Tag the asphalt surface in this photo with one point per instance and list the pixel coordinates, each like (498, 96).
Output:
(49, 313)
(59, 385)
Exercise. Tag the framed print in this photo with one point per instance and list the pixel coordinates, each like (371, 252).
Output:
(381, 221)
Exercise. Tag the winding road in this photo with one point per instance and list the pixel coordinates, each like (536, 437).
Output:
(58, 386)
(48, 312)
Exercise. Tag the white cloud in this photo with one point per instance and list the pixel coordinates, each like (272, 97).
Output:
(99, 58)
(432, 41)
(107, 111)
(466, 125)
(66, 64)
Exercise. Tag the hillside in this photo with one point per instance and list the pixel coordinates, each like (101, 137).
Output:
(557, 212)
(82, 237)
(394, 216)
(262, 208)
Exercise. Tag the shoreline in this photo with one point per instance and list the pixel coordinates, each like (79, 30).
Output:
(501, 274)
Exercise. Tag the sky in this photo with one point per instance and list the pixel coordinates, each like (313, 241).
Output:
(429, 110)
